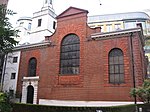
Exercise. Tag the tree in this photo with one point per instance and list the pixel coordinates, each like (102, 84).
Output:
(7, 32)
(7, 43)
(143, 92)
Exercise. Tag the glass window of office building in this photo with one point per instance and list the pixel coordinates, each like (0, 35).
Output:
(109, 28)
(117, 26)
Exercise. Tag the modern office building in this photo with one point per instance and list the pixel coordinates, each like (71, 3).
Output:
(113, 22)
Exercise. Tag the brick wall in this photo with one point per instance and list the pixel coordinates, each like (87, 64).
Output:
(4, 2)
(92, 81)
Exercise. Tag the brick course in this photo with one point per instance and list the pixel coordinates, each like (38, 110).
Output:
(92, 83)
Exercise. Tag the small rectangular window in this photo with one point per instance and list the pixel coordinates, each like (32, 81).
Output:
(109, 28)
(54, 25)
(29, 26)
(21, 24)
(117, 26)
(11, 93)
(15, 59)
(102, 28)
(13, 75)
(39, 22)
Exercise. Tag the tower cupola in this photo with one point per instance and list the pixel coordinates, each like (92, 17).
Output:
(47, 4)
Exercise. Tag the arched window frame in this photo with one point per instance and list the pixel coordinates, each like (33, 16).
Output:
(32, 67)
(70, 55)
(116, 66)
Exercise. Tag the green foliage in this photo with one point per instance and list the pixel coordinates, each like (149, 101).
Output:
(5, 105)
(7, 41)
(143, 93)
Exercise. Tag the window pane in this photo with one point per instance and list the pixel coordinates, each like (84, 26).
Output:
(109, 27)
(15, 59)
(115, 60)
(111, 78)
(29, 26)
(121, 59)
(39, 22)
(111, 69)
(122, 78)
(121, 69)
(32, 67)
(111, 60)
(75, 70)
(116, 66)
(117, 78)
(13, 75)
(69, 58)
(116, 69)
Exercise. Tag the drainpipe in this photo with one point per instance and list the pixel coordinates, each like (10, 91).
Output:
(133, 71)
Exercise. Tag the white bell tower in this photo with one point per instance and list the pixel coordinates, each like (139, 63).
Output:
(43, 22)
(47, 4)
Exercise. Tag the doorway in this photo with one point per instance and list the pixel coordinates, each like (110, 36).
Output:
(30, 94)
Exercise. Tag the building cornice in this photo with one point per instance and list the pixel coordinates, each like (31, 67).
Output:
(32, 46)
(97, 36)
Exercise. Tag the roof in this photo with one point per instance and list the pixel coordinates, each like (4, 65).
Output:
(119, 16)
(71, 11)
(112, 33)
(25, 18)
(35, 45)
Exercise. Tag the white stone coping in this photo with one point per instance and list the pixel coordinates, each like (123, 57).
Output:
(82, 103)
(118, 32)
(31, 78)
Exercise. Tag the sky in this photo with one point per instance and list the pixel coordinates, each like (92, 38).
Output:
(28, 7)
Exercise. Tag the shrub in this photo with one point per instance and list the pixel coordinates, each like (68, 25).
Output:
(42, 108)
(143, 93)
(5, 105)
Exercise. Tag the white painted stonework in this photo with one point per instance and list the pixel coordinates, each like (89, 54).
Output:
(29, 35)
(82, 103)
(11, 84)
(47, 16)
(24, 27)
(33, 81)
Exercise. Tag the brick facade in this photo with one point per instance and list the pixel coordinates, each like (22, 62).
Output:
(92, 83)
(4, 2)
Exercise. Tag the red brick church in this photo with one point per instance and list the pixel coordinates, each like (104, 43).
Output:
(78, 63)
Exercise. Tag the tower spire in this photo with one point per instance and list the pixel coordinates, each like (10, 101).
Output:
(47, 4)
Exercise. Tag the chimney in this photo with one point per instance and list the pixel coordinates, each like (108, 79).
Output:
(97, 29)
(47, 38)
(139, 25)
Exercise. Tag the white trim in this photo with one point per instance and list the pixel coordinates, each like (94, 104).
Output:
(82, 103)
(32, 45)
(30, 78)
(33, 81)
(98, 35)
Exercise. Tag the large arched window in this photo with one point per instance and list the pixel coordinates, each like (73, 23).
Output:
(70, 55)
(32, 67)
(116, 66)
